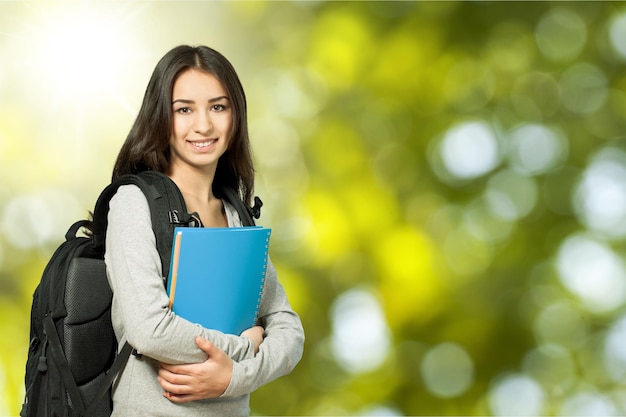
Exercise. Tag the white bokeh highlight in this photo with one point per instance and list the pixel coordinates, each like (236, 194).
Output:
(593, 272)
(360, 337)
(470, 150)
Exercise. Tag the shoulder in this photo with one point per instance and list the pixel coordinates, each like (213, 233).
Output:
(129, 194)
(129, 213)
(129, 199)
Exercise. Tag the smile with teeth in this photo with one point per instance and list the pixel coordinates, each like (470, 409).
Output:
(203, 144)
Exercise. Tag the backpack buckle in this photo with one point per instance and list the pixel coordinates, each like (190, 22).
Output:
(173, 215)
(255, 210)
(185, 219)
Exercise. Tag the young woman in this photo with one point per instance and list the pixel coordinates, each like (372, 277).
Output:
(191, 126)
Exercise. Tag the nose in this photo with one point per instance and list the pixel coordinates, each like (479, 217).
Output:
(203, 122)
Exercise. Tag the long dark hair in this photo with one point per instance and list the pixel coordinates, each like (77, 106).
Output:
(147, 144)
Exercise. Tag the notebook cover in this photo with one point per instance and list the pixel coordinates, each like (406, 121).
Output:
(217, 276)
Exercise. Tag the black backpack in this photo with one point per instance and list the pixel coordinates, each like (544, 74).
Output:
(72, 358)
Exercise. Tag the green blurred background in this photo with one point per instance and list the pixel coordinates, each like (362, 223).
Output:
(446, 182)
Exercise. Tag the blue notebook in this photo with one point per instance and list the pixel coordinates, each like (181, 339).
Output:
(217, 276)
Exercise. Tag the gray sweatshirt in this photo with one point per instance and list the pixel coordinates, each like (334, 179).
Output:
(141, 316)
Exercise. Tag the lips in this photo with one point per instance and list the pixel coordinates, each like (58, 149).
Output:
(202, 144)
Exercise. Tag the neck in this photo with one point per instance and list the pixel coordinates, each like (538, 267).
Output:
(194, 183)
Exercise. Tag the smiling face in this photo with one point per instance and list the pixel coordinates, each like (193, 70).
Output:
(201, 122)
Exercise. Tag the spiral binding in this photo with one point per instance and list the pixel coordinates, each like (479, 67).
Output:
(263, 275)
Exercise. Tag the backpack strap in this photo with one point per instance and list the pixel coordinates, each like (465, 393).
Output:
(246, 214)
(56, 349)
(167, 210)
(116, 367)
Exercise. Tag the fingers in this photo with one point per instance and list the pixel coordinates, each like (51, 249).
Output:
(177, 392)
(206, 346)
(190, 382)
(255, 334)
(213, 352)
(177, 384)
(168, 367)
(174, 393)
(179, 398)
(170, 388)
(170, 375)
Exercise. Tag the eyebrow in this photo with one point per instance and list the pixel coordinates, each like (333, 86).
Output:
(186, 101)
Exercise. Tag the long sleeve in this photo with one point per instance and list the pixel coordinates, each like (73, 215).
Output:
(140, 311)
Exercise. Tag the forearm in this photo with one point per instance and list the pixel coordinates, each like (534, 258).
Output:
(171, 339)
(278, 355)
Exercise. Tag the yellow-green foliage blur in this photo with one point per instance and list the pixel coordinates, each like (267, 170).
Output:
(446, 182)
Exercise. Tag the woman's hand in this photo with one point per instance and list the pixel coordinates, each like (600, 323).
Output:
(197, 381)
(256, 335)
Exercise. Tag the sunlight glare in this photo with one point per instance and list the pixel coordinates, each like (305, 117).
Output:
(79, 50)
(85, 49)
(78, 63)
